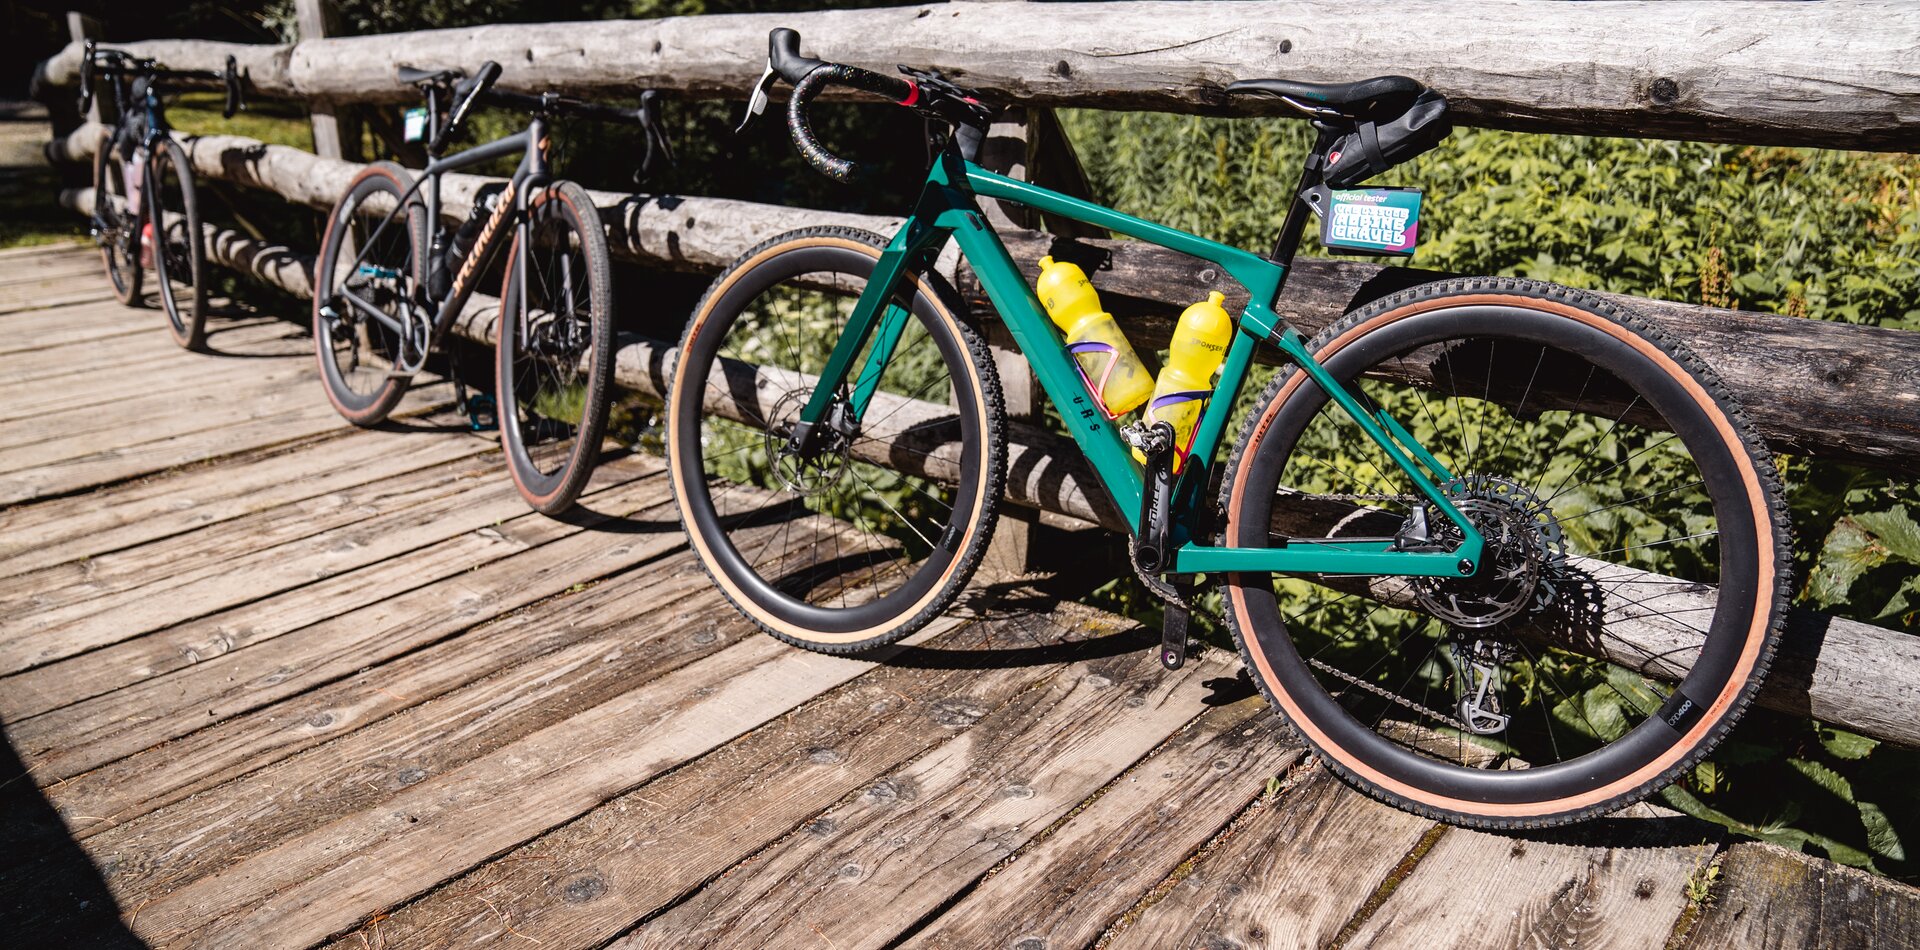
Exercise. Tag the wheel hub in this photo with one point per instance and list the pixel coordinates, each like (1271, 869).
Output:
(808, 474)
(1523, 545)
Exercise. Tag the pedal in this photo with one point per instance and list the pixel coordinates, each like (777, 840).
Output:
(482, 415)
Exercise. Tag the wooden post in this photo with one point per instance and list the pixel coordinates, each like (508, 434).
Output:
(335, 133)
(63, 110)
(80, 28)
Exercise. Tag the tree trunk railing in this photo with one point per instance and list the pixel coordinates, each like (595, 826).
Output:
(1831, 75)
(1834, 390)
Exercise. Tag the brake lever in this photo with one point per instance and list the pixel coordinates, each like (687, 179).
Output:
(758, 102)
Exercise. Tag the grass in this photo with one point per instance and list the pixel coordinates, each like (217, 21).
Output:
(272, 122)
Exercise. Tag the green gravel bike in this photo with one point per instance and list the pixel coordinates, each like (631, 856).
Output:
(1504, 553)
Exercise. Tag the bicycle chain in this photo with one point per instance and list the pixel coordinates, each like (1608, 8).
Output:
(1389, 695)
(1159, 588)
(1167, 593)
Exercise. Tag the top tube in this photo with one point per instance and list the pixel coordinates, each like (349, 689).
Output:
(1260, 276)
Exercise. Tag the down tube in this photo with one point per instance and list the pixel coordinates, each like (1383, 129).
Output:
(1032, 331)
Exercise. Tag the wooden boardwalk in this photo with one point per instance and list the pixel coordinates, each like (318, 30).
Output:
(268, 681)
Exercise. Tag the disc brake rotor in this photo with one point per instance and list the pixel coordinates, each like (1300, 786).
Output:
(807, 476)
(1524, 549)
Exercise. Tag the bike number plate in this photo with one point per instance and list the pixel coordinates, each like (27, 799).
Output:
(1379, 221)
(414, 125)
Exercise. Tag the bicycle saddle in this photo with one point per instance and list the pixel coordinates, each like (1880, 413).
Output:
(1378, 99)
(410, 75)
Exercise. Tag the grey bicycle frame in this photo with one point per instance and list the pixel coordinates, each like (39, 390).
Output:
(532, 173)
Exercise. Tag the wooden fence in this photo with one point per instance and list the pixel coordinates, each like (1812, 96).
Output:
(1831, 390)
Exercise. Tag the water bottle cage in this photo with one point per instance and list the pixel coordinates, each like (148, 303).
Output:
(1099, 389)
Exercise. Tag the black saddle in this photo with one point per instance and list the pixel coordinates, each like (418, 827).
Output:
(1379, 99)
(421, 77)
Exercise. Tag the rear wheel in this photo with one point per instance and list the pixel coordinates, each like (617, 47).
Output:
(1629, 595)
(116, 223)
(357, 350)
(554, 361)
(178, 248)
(881, 526)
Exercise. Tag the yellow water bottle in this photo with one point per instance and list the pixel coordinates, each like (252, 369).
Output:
(1198, 348)
(1113, 372)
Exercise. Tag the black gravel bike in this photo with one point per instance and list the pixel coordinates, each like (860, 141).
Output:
(145, 213)
(390, 279)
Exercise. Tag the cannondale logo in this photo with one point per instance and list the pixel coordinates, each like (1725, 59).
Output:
(486, 235)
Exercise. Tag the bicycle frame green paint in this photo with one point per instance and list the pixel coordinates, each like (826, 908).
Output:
(947, 208)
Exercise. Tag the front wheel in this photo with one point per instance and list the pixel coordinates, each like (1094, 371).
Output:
(554, 361)
(870, 533)
(372, 254)
(116, 221)
(1629, 595)
(178, 246)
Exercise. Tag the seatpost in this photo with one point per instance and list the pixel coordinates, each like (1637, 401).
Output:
(1299, 211)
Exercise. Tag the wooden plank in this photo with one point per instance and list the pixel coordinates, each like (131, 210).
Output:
(113, 393)
(15, 257)
(90, 320)
(116, 464)
(78, 322)
(97, 357)
(471, 694)
(63, 682)
(62, 260)
(322, 881)
(36, 300)
(583, 884)
(1839, 76)
(202, 404)
(123, 516)
(351, 634)
(868, 869)
(1292, 872)
(549, 673)
(225, 391)
(1611, 882)
(79, 585)
(1065, 890)
(147, 707)
(1769, 897)
(472, 497)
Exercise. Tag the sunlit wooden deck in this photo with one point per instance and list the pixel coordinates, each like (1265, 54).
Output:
(269, 681)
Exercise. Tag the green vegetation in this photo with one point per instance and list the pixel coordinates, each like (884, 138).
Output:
(272, 121)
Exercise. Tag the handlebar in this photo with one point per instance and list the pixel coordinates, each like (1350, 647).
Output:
(646, 116)
(116, 64)
(925, 93)
(465, 92)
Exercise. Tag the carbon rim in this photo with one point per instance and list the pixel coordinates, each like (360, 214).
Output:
(859, 548)
(356, 351)
(554, 334)
(1577, 726)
